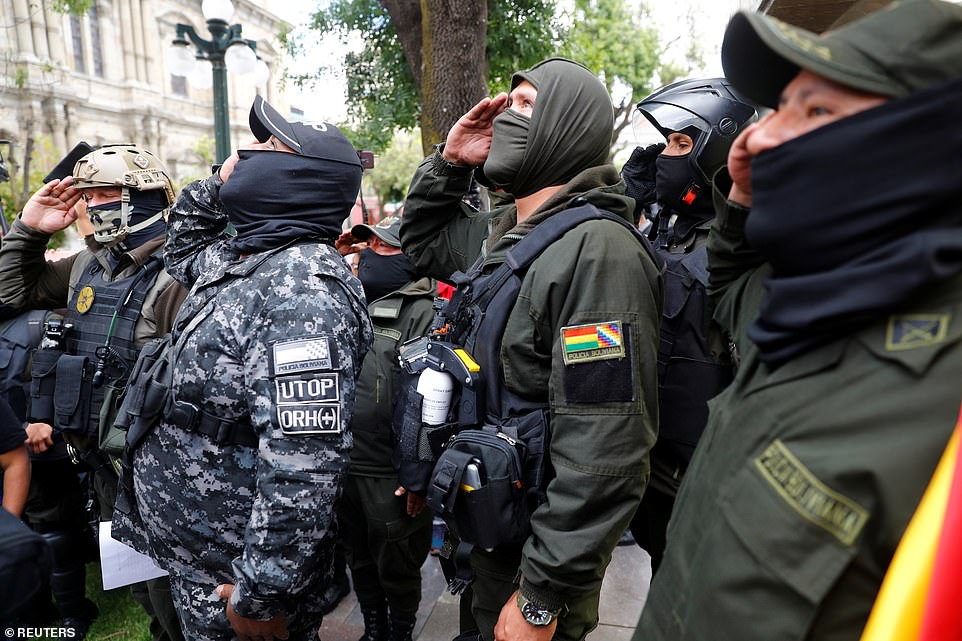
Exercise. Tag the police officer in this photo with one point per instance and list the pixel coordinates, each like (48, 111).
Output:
(699, 119)
(836, 267)
(580, 339)
(237, 485)
(57, 498)
(386, 532)
(117, 296)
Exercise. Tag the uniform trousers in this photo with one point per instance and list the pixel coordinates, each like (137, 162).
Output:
(385, 548)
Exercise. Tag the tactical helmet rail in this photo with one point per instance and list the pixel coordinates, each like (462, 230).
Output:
(127, 166)
(707, 110)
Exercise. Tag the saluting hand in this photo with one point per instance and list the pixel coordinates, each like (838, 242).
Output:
(751, 141)
(469, 140)
(53, 207)
(346, 244)
(252, 629)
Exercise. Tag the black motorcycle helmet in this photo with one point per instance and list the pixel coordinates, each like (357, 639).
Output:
(707, 110)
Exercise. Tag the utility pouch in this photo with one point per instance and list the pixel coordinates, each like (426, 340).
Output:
(111, 438)
(43, 384)
(416, 444)
(478, 488)
(146, 396)
(141, 408)
(71, 399)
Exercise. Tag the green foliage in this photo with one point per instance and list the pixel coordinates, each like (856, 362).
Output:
(610, 39)
(520, 33)
(204, 147)
(395, 165)
(20, 77)
(622, 45)
(382, 94)
(381, 90)
(76, 7)
(13, 195)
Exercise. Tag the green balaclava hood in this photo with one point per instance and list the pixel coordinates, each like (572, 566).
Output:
(569, 130)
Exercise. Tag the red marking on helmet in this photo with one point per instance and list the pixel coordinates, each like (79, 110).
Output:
(690, 196)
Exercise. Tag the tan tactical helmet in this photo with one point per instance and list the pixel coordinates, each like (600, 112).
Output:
(127, 166)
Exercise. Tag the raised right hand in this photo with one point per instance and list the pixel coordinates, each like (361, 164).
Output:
(469, 140)
(52, 208)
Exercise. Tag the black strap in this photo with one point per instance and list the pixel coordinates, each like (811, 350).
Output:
(190, 418)
(455, 561)
(446, 480)
(548, 231)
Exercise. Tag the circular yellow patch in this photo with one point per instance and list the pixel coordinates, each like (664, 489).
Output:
(85, 300)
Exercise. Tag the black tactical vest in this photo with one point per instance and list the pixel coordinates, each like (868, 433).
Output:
(485, 297)
(508, 450)
(694, 364)
(100, 346)
(18, 338)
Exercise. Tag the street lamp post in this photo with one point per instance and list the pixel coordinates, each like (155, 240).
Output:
(227, 49)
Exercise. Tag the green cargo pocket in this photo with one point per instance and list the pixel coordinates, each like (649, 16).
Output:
(780, 563)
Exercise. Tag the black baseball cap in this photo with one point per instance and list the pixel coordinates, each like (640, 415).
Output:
(387, 229)
(896, 51)
(312, 139)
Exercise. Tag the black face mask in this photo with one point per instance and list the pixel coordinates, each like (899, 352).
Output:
(855, 220)
(274, 197)
(381, 275)
(680, 189)
(675, 182)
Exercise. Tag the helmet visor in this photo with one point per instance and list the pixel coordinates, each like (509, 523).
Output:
(671, 118)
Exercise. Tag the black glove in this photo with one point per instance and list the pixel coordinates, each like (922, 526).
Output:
(639, 175)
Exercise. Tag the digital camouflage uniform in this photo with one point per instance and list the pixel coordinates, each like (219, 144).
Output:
(268, 344)
(604, 414)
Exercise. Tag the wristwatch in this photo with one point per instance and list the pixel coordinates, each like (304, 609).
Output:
(535, 614)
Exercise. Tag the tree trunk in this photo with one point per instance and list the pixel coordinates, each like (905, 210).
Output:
(444, 43)
(453, 33)
(406, 16)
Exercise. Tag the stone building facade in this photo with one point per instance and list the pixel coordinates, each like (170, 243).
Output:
(101, 77)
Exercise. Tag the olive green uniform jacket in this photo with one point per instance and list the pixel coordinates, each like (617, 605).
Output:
(806, 476)
(397, 317)
(29, 281)
(385, 547)
(600, 435)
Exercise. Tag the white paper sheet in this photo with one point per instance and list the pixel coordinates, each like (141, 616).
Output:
(122, 565)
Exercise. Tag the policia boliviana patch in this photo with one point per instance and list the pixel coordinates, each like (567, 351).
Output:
(837, 514)
(592, 342)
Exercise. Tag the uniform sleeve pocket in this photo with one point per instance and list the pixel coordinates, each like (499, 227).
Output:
(793, 540)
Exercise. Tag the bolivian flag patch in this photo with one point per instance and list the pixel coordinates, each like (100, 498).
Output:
(595, 342)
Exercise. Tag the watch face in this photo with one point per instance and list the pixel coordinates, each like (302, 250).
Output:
(535, 615)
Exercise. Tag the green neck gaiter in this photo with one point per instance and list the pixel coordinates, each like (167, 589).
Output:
(569, 130)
